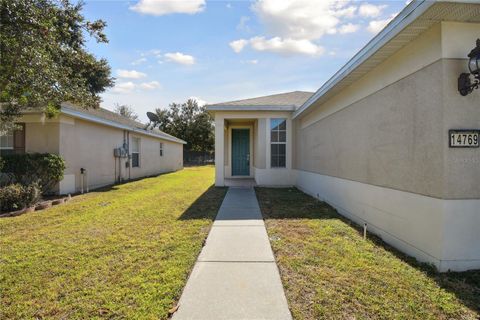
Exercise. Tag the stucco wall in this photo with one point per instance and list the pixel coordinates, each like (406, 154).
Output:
(88, 145)
(41, 134)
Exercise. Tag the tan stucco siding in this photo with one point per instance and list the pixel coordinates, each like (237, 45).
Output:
(41, 134)
(398, 137)
(90, 146)
(151, 162)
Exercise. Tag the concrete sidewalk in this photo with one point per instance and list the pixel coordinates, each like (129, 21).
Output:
(235, 276)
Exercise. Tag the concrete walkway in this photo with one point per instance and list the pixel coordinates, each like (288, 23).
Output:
(235, 276)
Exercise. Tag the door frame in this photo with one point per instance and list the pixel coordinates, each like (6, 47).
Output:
(230, 142)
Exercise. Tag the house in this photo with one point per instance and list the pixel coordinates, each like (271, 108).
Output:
(99, 147)
(375, 140)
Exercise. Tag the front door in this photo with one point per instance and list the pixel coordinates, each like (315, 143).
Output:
(240, 152)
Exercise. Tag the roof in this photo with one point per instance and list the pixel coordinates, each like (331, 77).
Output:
(288, 101)
(112, 119)
(413, 20)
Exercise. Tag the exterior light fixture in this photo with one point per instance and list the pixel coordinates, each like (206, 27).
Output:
(465, 84)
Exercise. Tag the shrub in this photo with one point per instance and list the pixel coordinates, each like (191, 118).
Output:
(15, 196)
(46, 169)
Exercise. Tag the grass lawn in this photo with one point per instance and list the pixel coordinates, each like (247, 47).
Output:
(119, 253)
(330, 272)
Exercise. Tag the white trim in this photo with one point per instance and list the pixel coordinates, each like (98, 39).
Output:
(414, 10)
(230, 150)
(92, 118)
(250, 108)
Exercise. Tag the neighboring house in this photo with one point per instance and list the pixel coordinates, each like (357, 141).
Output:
(109, 147)
(373, 141)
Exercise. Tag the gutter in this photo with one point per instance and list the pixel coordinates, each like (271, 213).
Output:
(415, 9)
(91, 118)
(250, 108)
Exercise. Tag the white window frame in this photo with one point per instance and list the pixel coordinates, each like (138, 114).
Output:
(7, 134)
(138, 152)
(278, 142)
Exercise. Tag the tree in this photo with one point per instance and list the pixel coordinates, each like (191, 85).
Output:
(43, 59)
(190, 122)
(126, 111)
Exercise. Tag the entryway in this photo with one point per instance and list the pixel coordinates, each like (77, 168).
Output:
(240, 152)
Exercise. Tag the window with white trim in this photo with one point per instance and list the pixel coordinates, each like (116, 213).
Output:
(161, 149)
(278, 143)
(6, 140)
(135, 152)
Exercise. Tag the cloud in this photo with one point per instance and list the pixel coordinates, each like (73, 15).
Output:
(139, 61)
(375, 26)
(163, 7)
(253, 61)
(238, 45)
(150, 85)
(303, 19)
(286, 46)
(200, 102)
(130, 74)
(369, 10)
(180, 58)
(242, 25)
(348, 28)
(278, 45)
(124, 87)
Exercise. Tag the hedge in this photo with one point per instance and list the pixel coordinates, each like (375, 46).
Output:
(16, 197)
(46, 169)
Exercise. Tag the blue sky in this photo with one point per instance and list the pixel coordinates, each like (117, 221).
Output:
(164, 51)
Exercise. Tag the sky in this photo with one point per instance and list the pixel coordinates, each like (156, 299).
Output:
(164, 51)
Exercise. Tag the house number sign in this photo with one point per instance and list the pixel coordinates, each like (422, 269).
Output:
(464, 138)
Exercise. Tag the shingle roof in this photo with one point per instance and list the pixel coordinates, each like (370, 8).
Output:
(119, 119)
(294, 98)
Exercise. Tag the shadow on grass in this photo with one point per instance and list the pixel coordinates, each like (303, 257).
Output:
(291, 203)
(206, 206)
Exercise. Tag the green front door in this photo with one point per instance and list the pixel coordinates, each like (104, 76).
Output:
(240, 152)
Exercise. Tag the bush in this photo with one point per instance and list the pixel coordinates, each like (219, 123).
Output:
(46, 169)
(16, 197)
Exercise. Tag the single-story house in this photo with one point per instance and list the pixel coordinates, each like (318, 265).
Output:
(375, 140)
(99, 147)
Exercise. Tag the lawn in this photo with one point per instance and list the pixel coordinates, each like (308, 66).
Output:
(330, 272)
(119, 253)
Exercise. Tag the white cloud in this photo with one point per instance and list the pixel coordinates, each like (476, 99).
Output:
(369, 10)
(286, 46)
(163, 7)
(348, 28)
(139, 61)
(375, 26)
(242, 25)
(200, 102)
(150, 85)
(238, 45)
(180, 58)
(253, 61)
(303, 19)
(124, 87)
(279, 45)
(130, 74)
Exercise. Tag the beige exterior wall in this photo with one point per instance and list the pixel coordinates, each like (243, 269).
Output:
(379, 151)
(85, 144)
(88, 145)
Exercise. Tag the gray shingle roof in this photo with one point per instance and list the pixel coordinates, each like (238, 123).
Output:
(294, 98)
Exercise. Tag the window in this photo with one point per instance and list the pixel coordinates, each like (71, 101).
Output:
(161, 149)
(278, 143)
(135, 152)
(13, 141)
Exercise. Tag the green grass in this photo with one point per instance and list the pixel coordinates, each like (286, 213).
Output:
(330, 272)
(119, 253)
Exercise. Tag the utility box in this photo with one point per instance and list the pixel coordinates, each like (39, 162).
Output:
(119, 152)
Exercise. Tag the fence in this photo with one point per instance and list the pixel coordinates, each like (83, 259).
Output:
(198, 157)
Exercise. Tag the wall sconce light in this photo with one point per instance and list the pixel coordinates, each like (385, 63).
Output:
(465, 84)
